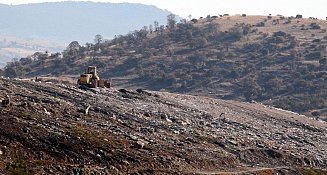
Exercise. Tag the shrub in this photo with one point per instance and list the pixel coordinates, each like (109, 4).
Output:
(311, 171)
(19, 168)
(299, 16)
(288, 21)
(316, 41)
(315, 26)
(279, 33)
(198, 43)
(251, 89)
(260, 24)
(323, 61)
(315, 113)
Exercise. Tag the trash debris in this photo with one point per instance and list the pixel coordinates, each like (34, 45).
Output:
(129, 132)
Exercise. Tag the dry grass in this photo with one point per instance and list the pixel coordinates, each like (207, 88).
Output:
(294, 27)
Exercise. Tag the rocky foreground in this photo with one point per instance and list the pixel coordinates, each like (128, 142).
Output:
(52, 128)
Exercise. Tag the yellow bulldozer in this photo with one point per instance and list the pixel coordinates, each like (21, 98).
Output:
(92, 80)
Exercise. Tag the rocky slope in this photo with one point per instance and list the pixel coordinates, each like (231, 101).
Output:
(50, 128)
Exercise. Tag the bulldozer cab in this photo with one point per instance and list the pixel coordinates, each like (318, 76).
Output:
(91, 70)
(91, 79)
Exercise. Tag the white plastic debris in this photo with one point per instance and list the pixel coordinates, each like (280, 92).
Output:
(46, 112)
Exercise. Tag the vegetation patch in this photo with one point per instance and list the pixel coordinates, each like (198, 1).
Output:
(313, 171)
(19, 167)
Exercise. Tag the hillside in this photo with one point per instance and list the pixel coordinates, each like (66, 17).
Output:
(12, 48)
(275, 60)
(69, 21)
(55, 128)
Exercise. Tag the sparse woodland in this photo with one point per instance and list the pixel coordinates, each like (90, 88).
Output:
(275, 60)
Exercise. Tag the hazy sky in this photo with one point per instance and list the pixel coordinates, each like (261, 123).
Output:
(197, 8)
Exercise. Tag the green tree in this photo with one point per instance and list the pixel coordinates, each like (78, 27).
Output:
(150, 28)
(72, 50)
(74, 46)
(98, 39)
(274, 85)
(156, 26)
(171, 21)
(10, 70)
(251, 89)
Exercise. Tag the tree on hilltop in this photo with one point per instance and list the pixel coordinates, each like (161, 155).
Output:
(156, 26)
(74, 45)
(171, 21)
(98, 39)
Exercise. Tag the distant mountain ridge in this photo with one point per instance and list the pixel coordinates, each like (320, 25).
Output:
(13, 48)
(81, 21)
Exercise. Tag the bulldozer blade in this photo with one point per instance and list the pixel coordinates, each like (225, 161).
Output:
(107, 83)
(101, 84)
(104, 83)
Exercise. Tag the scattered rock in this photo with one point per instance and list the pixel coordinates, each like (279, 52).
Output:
(123, 91)
(232, 142)
(6, 101)
(140, 144)
(141, 91)
(145, 133)
(168, 120)
(260, 145)
(114, 169)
